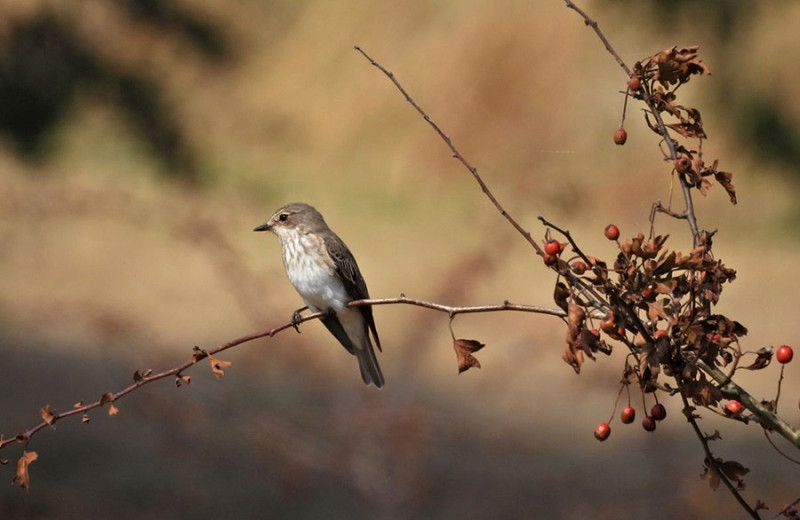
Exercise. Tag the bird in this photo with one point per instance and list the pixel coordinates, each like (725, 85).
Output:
(325, 274)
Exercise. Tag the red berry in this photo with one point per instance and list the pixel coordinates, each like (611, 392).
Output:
(628, 415)
(612, 232)
(602, 431)
(784, 354)
(634, 84)
(609, 325)
(550, 259)
(552, 247)
(620, 136)
(579, 267)
(734, 407)
(658, 412)
(683, 164)
(649, 424)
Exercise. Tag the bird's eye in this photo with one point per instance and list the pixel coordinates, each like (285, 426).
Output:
(282, 217)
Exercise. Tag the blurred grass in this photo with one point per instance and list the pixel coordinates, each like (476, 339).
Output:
(108, 265)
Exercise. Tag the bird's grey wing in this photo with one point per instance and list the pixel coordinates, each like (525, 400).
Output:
(335, 327)
(347, 269)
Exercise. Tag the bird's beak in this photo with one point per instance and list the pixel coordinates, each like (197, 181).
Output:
(263, 227)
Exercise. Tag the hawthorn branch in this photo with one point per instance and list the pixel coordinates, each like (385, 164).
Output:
(689, 214)
(199, 354)
(765, 416)
(711, 461)
(456, 154)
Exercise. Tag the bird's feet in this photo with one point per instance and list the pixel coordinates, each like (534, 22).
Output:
(297, 318)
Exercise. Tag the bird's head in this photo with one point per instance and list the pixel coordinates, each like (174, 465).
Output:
(293, 218)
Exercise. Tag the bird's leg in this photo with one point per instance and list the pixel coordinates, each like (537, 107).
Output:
(296, 317)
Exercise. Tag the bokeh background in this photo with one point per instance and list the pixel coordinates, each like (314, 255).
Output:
(142, 140)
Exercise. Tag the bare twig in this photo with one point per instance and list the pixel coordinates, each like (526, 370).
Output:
(177, 371)
(456, 154)
(711, 461)
(591, 23)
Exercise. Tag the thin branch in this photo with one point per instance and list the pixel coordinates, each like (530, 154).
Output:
(591, 23)
(712, 462)
(662, 128)
(177, 371)
(766, 417)
(456, 154)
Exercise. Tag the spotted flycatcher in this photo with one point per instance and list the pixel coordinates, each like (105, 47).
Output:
(326, 275)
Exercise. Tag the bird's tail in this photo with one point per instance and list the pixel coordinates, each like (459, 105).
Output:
(368, 363)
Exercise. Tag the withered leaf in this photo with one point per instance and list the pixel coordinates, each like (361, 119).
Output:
(181, 379)
(576, 317)
(78, 404)
(22, 478)
(711, 474)
(464, 349)
(198, 354)
(734, 471)
(763, 358)
(702, 392)
(648, 363)
(716, 436)
(141, 374)
(112, 409)
(655, 310)
(48, 414)
(560, 295)
(677, 65)
(724, 179)
(217, 366)
(85, 418)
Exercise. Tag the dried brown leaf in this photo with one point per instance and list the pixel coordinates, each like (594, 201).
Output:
(198, 354)
(85, 418)
(676, 65)
(724, 179)
(22, 478)
(112, 409)
(141, 374)
(48, 414)
(217, 366)
(464, 349)
(734, 471)
(763, 358)
(702, 392)
(560, 295)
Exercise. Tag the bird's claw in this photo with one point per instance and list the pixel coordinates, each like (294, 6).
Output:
(296, 317)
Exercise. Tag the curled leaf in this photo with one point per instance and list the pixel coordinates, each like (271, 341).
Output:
(464, 349)
(22, 478)
(763, 358)
(217, 366)
(141, 374)
(48, 414)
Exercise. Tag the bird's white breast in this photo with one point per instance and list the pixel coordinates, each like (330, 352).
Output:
(312, 273)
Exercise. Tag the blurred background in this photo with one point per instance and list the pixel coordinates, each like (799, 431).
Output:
(142, 140)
